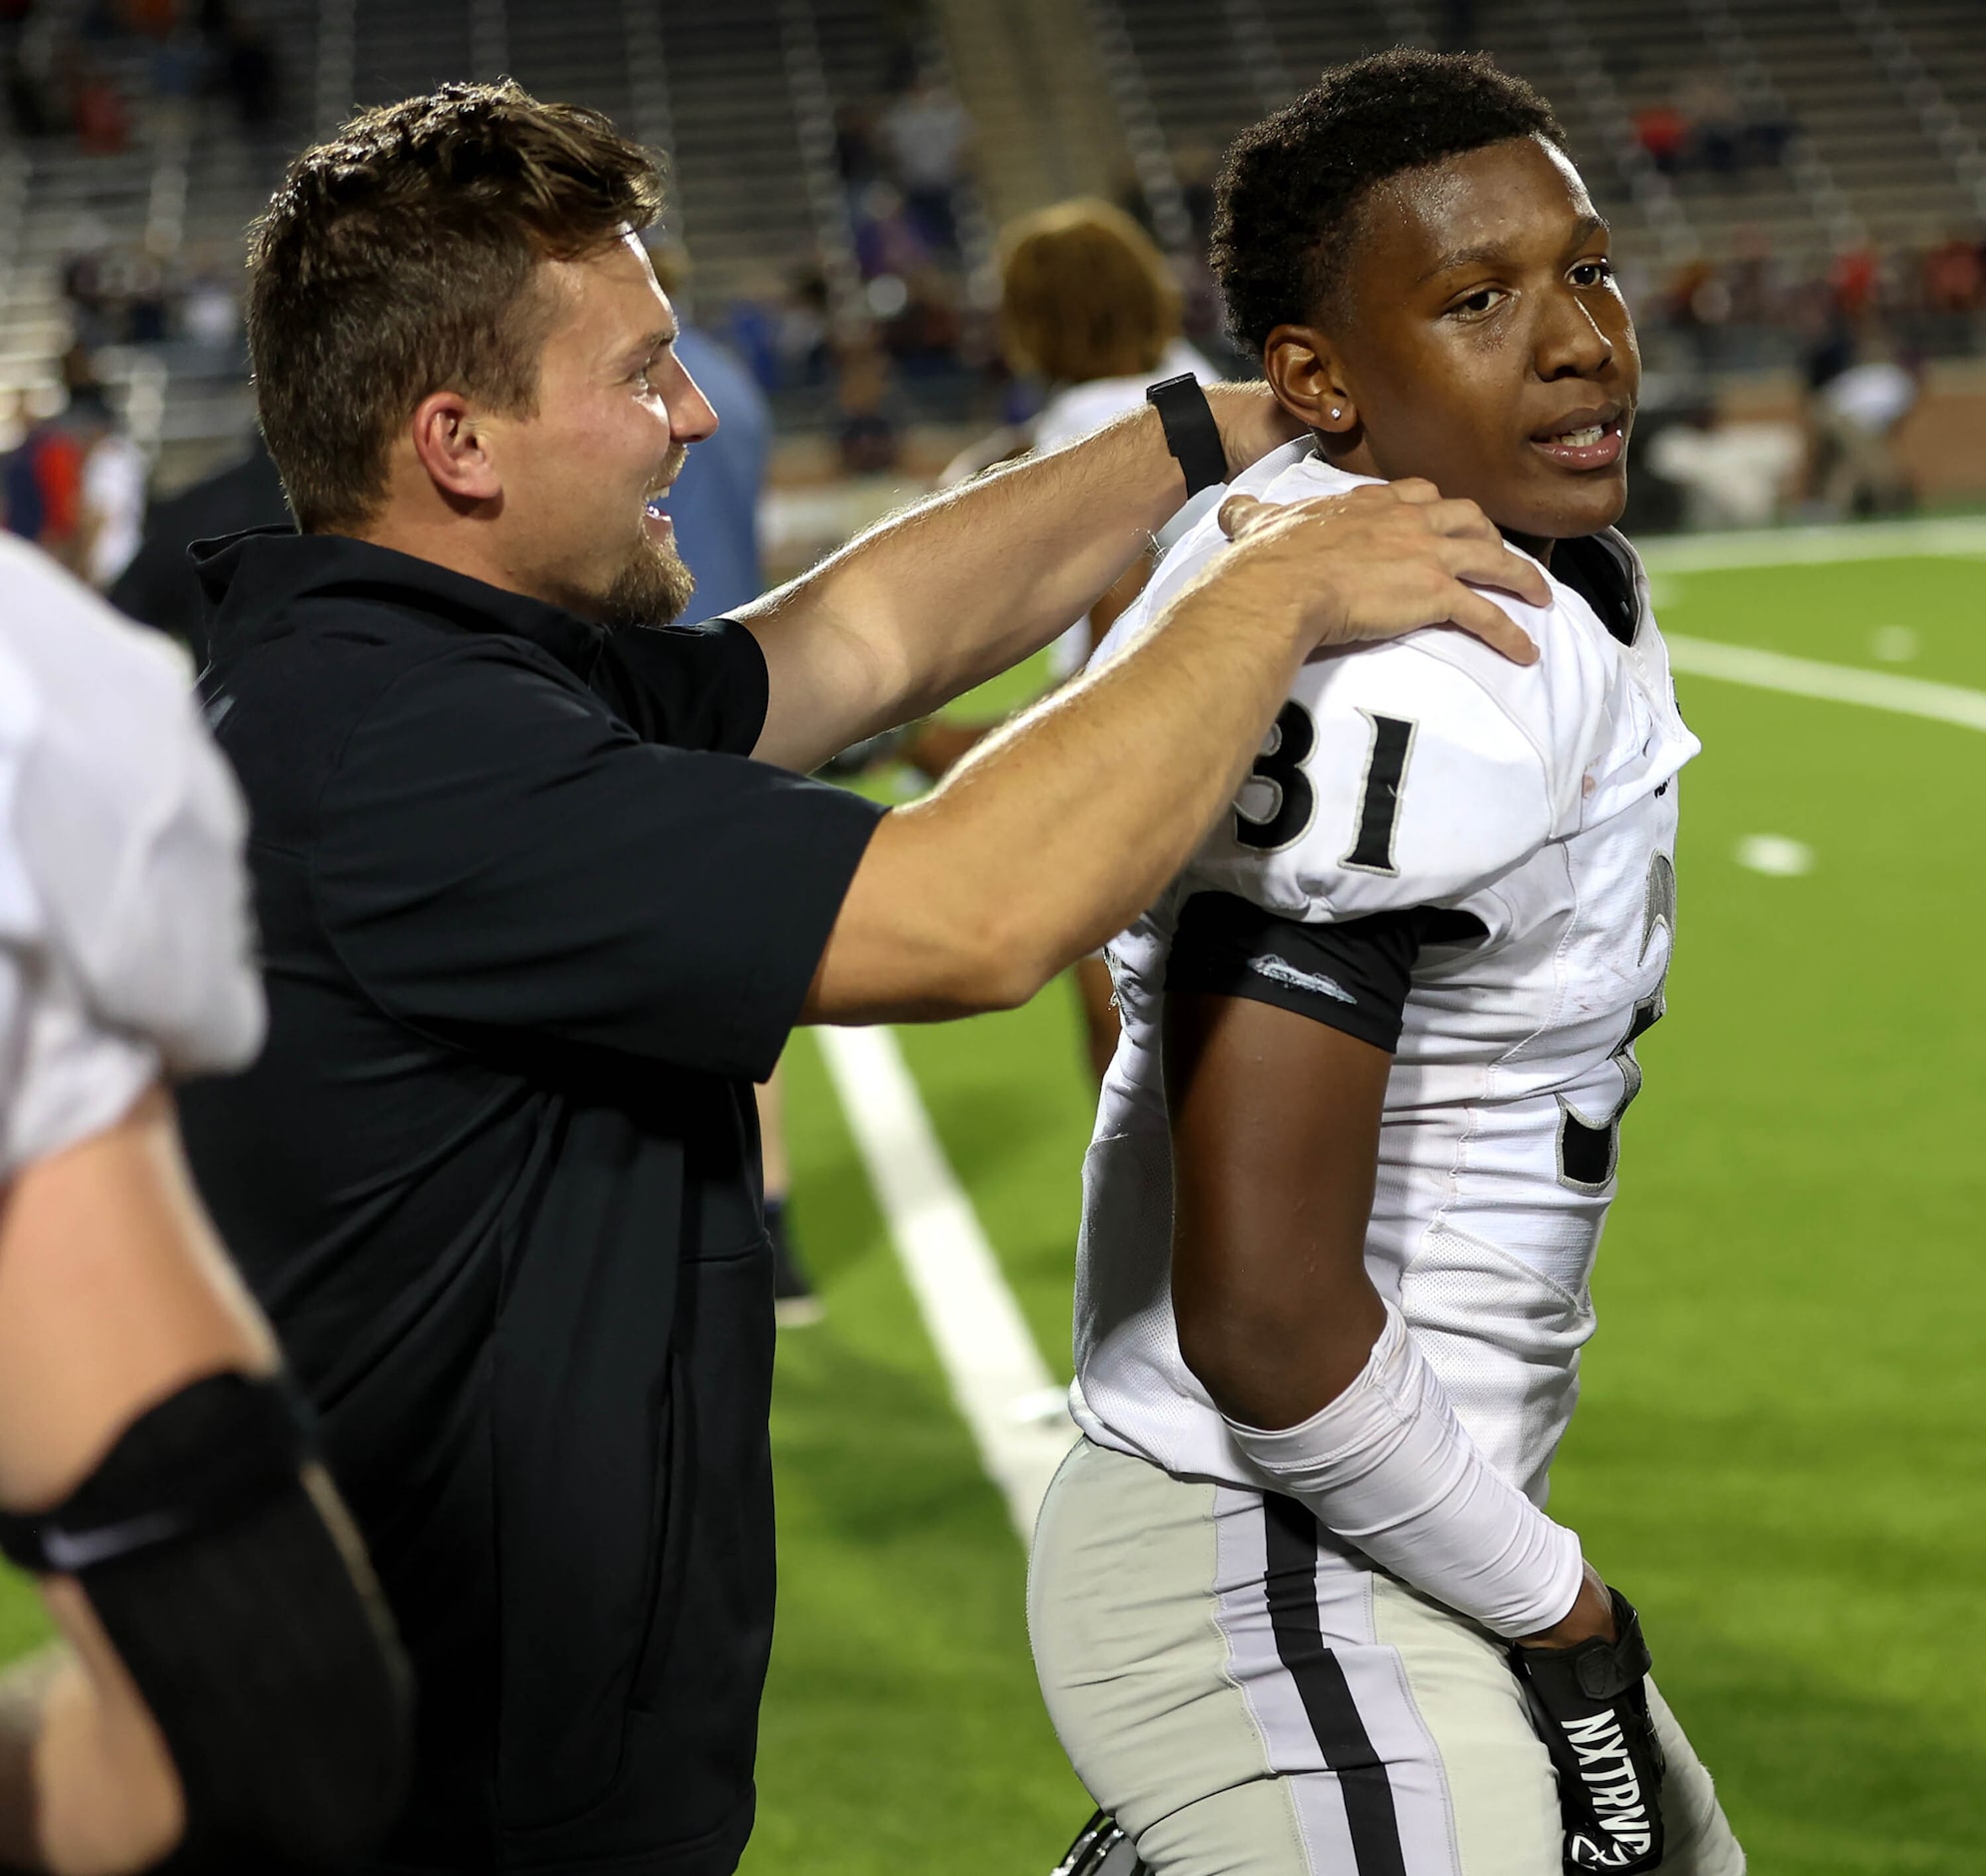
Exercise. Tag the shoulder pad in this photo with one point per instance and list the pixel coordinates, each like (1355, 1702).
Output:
(1391, 780)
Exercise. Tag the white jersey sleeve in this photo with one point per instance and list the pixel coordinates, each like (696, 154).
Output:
(125, 932)
(1390, 781)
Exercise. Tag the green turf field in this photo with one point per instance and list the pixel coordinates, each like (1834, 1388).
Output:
(1781, 1449)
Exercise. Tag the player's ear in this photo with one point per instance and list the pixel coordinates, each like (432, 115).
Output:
(1301, 365)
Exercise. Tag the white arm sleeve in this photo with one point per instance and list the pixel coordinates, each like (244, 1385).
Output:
(1388, 1465)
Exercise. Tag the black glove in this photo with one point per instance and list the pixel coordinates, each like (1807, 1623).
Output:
(1589, 1704)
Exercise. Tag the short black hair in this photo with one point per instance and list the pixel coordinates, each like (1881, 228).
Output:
(1289, 194)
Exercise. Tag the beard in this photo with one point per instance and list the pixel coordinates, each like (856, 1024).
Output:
(651, 589)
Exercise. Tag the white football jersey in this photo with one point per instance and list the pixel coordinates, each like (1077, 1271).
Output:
(125, 944)
(1539, 802)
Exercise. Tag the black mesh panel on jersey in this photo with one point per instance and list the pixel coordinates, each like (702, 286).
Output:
(1354, 976)
(1596, 573)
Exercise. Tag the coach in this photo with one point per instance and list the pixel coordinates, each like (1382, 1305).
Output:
(541, 897)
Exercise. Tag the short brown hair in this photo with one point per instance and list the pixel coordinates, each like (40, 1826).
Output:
(400, 258)
(1084, 293)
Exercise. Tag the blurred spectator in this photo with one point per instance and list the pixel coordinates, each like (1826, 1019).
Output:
(157, 587)
(115, 474)
(855, 158)
(1954, 275)
(889, 241)
(927, 132)
(42, 477)
(1664, 132)
(1855, 275)
(74, 484)
(1730, 474)
(1716, 129)
(178, 66)
(1753, 279)
(32, 105)
(1089, 305)
(210, 316)
(93, 317)
(96, 111)
(801, 331)
(1832, 348)
(43, 483)
(250, 77)
(1087, 302)
(1856, 415)
(868, 415)
(922, 334)
(147, 309)
(713, 505)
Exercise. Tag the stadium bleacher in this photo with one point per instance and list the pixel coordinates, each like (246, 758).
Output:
(1766, 142)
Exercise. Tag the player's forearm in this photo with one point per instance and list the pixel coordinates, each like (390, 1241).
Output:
(86, 1784)
(23, 1691)
(1388, 1466)
(1054, 834)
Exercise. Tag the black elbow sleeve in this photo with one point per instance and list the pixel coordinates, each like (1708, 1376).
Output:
(265, 1654)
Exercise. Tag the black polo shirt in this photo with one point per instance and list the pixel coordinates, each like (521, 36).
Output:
(531, 923)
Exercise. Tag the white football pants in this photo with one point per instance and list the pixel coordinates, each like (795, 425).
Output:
(1248, 1697)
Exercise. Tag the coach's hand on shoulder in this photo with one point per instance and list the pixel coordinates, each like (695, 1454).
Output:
(1376, 562)
(1058, 830)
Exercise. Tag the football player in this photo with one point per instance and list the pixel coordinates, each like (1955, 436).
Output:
(227, 1685)
(1295, 1603)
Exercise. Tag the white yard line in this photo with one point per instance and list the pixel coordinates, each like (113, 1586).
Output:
(1831, 683)
(996, 1371)
(1806, 546)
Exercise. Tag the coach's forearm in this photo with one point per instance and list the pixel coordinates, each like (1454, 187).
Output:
(957, 589)
(1056, 832)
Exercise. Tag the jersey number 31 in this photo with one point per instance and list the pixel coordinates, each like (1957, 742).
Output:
(1278, 800)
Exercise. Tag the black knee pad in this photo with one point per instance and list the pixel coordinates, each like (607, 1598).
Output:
(267, 1658)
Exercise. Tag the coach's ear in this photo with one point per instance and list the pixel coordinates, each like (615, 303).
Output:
(450, 446)
(1301, 367)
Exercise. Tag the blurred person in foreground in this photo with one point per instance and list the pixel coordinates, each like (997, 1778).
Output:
(225, 1683)
(713, 512)
(545, 887)
(1294, 1598)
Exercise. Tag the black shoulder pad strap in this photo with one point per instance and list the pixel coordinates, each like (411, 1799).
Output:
(198, 1460)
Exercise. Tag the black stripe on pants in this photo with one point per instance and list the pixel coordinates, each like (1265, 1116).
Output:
(1340, 1734)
